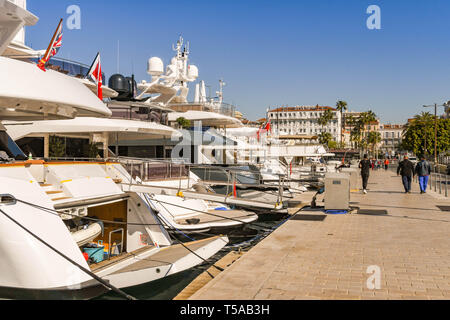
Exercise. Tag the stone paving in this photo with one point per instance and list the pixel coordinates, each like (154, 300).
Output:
(329, 259)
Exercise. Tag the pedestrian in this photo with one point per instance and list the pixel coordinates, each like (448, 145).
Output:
(423, 170)
(364, 165)
(386, 163)
(406, 170)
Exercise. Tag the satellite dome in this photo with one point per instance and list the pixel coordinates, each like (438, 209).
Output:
(192, 71)
(155, 66)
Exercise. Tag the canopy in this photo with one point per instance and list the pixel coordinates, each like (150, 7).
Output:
(116, 128)
(208, 119)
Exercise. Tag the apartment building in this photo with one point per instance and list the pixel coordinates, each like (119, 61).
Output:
(303, 120)
(391, 137)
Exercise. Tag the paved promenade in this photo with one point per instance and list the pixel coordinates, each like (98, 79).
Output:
(329, 259)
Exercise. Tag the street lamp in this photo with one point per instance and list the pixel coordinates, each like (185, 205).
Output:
(446, 104)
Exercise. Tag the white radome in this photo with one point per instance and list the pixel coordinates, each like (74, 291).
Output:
(193, 71)
(155, 66)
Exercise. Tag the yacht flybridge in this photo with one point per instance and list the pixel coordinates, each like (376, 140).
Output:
(50, 211)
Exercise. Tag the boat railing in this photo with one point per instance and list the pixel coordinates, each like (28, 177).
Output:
(154, 169)
(65, 66)
(221, 108)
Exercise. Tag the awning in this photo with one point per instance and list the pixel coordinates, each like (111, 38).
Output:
(208, 119)
(116, 128)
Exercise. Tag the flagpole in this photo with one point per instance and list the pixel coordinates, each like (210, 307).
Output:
(93, 62)
(51, 44)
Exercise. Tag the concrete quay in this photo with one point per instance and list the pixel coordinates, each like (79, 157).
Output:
(396, 247)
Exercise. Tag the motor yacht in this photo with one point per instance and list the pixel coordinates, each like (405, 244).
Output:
(68, 229)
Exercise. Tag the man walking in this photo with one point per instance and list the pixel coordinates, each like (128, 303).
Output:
(386, 164)
(423, 170)
(365, 165)
(406, 170)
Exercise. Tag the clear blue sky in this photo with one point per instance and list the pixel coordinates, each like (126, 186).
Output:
(302, 52)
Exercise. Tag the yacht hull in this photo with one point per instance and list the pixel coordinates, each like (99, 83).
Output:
(84, 291)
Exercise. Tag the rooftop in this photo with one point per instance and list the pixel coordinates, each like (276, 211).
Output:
(303, 108)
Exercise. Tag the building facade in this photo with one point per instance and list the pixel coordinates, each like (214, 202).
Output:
(303, 120)
(348, 127)
(391, 137)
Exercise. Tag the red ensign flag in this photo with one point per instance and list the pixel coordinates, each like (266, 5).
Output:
(95, 72)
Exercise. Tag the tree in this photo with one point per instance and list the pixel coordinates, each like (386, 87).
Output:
(325, 138)
(373, 139)
(365, 119)
(325, 118)
(341, 106)
(91, 150)
(183, 122)
(333, 145)
(426, 119)
(418, 136)
(56, 147)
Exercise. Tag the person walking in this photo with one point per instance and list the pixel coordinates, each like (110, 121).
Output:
(386, 163)
(423, 170)
(365, 166)
(406, 170)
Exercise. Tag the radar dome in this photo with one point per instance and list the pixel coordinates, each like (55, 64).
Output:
(192, 71)
(155, 66)
(119, 83)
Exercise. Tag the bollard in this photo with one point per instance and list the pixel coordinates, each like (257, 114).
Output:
(435, 182)
(446, 183)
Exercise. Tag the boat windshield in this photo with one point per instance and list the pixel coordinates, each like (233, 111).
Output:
(9, 150)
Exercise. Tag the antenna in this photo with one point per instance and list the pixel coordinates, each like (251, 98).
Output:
(118, 55)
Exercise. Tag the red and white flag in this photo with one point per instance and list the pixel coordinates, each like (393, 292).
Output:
(264, 129)
(53, 47)
(95, 73)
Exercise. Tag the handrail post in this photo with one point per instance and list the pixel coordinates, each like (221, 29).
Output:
(189, 176)
(446, 183)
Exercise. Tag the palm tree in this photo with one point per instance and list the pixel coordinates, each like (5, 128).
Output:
(326, 117)
(373, 139)
(325, 138)
(341, 106)
(365, 120)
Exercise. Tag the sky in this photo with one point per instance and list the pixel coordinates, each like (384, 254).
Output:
(272, 53)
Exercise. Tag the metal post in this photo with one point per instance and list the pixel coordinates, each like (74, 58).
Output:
(435, 180)
(279, 189)
(446, 183)
(131, 170)
(189, 176)
(435, 133)
(440, 183)
(228, 183)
